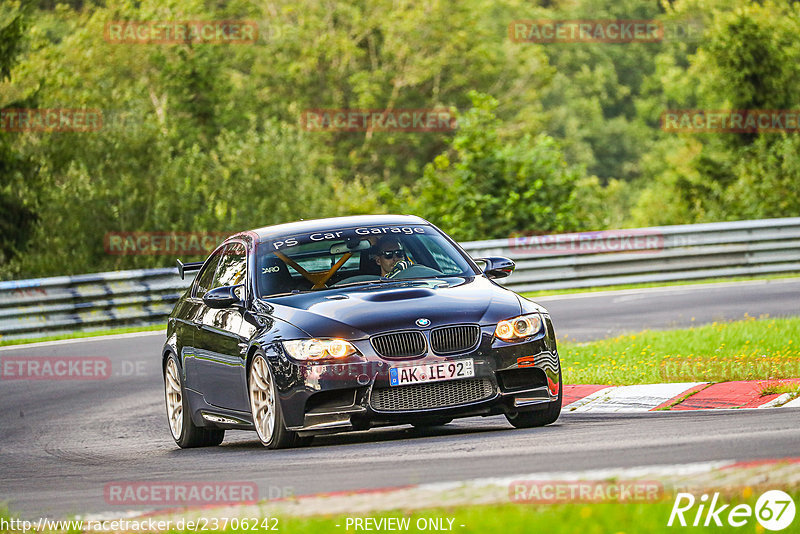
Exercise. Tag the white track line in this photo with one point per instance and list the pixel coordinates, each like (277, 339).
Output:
(777, 401)
(99, 337)
(665, 289)
(586, 400)
(792, 404)
(639, 398)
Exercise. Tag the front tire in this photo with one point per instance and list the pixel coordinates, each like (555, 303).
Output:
(185, 433)
(266, 408)
(539, 417)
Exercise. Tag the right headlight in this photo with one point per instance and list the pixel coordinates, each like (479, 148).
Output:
(519, 327)
(319, 349)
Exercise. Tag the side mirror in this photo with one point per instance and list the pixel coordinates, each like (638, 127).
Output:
(223, 297)
(497, 267)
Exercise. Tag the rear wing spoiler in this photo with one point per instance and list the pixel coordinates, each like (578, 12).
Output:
(186, 267)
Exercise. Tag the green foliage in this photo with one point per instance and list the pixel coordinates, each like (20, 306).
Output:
(599, 207)
(551, 137)
(13, 22)
(591, 105)
(767, 179)
(748, 60)
(387, 54)
(752, 51)
(490, 187)
(17, 204)
(158, 189)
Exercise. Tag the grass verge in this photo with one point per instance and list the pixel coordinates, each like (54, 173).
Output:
(649, 517)
(568, 518)
(751, 349)
(80, 335)
(779, 388)
(549, 292)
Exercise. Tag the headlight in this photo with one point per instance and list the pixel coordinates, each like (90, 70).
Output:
(519, 327)
(319, 349)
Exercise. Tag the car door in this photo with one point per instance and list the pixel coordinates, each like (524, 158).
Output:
(192, 312)
(220, 345)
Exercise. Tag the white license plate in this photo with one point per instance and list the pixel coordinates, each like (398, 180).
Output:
(434, 372)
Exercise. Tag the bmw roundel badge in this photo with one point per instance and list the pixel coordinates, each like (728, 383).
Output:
(423, 322)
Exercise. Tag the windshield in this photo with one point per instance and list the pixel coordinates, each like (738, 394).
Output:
(363, 255)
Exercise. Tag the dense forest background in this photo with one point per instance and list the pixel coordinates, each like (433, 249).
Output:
(551, 137)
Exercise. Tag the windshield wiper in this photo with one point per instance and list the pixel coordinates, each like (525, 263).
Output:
(287, 293)
(361, 283)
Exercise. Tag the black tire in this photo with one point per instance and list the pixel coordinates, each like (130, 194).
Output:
(431, 423)
(261, 391)
(185, 433)
(539, 417)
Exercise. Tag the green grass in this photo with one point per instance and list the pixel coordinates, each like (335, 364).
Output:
(511, 518)
(548, 292)
(523, 518)
(779, 388)
(78, 335)
(740, 350)
(679, 400)
(607, 518)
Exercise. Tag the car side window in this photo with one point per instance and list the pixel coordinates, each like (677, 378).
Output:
(232, 266)
(206, 276)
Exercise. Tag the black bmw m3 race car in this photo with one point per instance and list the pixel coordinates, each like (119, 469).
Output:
(350, 323)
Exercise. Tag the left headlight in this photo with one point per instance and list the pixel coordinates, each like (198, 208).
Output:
(519, 327)
(319, 349)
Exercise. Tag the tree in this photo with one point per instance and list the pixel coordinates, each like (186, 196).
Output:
(17, 209)
(487, 186)
(748, 60)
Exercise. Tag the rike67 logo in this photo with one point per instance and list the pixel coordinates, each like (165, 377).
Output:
(774, 510)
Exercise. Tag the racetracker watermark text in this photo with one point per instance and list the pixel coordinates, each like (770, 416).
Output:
(586, 31)
(589, 242)
(726, 368)
(70, 368)
(588, 491)
(181, 32)
(179, 493)
(50, 120)
(162, 243)
(381, 120)
(731, 121)
(55, 368)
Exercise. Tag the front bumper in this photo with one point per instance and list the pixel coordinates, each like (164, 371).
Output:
(509, 377)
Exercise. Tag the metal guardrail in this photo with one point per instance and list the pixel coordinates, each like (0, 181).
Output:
(48, 306)
(684, 252)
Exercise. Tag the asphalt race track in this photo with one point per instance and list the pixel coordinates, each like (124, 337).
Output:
(595, 316)
(62, 442)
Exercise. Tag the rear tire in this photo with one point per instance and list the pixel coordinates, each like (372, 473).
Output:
(266, 408)
(185, 433)
(539, 417)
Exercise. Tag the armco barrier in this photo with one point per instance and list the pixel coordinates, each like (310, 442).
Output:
(46, 306)
(685, 252)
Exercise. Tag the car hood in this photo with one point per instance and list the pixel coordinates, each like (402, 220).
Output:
(360, 311)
